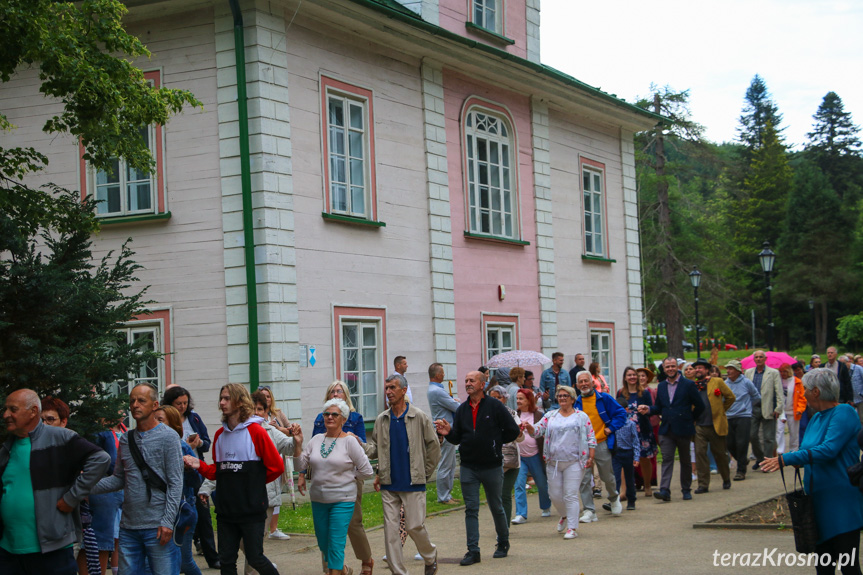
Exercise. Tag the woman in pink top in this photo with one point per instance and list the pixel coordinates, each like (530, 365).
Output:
(531, 461)
(598, 379)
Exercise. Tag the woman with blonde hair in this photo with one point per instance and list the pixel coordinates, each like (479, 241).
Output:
(353, 424)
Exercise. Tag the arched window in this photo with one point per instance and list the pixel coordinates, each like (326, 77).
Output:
(491, 178)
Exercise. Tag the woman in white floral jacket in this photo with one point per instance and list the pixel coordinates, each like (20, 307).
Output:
(568, 450)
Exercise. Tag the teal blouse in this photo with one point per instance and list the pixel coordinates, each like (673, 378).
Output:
(831, 440)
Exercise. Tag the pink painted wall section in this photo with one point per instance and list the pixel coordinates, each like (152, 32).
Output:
(480, 266)
(455, 13)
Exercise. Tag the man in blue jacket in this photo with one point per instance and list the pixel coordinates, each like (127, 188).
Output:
(679, 404)
(606, 416)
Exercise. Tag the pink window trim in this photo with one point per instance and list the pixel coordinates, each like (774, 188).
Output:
(328, 83)
(500, 110)
(155, 77)
(582, 162)
(493, 319)
(163, 315)
(357, 313)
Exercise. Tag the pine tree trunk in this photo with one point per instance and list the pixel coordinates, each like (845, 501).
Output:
(821, 326)
(666, 267)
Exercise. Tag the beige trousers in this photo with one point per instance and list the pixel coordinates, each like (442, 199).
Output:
(415, 513)
(356, 532)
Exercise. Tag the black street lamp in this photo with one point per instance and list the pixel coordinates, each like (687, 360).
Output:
(812, 309)
(695, 279)
(767, 258)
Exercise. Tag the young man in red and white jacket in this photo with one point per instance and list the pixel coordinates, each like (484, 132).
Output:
(245, 460)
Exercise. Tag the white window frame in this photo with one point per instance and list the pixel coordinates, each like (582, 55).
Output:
(348, 156)
(480, 140)
(123, 182)
(500, 328)
(603, 355)
(593, 204)
(484, 10)
(361, 393)
(124, 387)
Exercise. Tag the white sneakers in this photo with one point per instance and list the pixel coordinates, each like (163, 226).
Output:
(561, 525)
(519, 520)
(590, 516)
(546, 512)
(616, 507)
(277, 534)
(570, 534)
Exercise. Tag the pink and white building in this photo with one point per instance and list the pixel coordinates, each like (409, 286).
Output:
(417, 183)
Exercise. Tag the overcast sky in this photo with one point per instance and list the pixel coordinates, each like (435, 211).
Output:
(802, 48)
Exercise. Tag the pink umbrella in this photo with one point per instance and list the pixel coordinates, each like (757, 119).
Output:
(774, 360)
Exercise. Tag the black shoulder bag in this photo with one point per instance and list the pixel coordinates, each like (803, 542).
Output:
(186, 514)
(151, 478)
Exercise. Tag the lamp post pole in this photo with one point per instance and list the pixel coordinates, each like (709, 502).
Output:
(767, 257)
(695, 279)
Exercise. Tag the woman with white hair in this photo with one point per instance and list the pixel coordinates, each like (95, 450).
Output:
(826, 451)
(511, 456)
(354, 424)
(336, 461)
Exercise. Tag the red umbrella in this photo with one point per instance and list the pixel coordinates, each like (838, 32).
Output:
(774, 360)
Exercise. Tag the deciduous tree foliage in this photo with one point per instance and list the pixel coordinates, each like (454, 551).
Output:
(59, 311)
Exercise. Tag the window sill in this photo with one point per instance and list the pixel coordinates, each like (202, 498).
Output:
(352, 220)
(116, 220)
(598, 259)
(497, 239)
(489, 34)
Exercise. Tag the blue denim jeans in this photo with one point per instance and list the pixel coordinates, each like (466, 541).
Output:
(492, 481)
(140, 546)
(532, 465)
(187, 561)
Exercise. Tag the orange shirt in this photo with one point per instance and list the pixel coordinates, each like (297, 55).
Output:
(588, 405)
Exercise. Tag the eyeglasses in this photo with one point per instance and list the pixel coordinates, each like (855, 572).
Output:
(564, 396)
(331, 414)
(50, 419)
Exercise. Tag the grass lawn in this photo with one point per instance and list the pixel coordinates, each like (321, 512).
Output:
(299, 520)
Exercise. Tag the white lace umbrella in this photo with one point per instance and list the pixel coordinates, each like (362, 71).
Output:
(517, 358)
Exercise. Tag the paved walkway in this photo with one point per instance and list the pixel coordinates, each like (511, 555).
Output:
(655, 538)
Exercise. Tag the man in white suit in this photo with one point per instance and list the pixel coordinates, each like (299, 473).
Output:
(764, 414)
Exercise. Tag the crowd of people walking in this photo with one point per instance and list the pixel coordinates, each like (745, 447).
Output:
(141, 497)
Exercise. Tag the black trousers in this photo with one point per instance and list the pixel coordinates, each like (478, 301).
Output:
(59, 562)
(204, 532)
(844, 544)
(252, 535)
(738, 441)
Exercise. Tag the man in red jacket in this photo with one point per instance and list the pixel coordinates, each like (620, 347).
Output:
(245, 460)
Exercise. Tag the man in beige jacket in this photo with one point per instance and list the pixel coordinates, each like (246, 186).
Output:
(764, 414)
(407, 447)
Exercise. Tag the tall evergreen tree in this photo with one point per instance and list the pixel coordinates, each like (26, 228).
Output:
(661, 235)
(758, 111)
(814, 257)
(834, 145)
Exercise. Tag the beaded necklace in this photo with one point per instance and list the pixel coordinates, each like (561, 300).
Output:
(326, 453)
